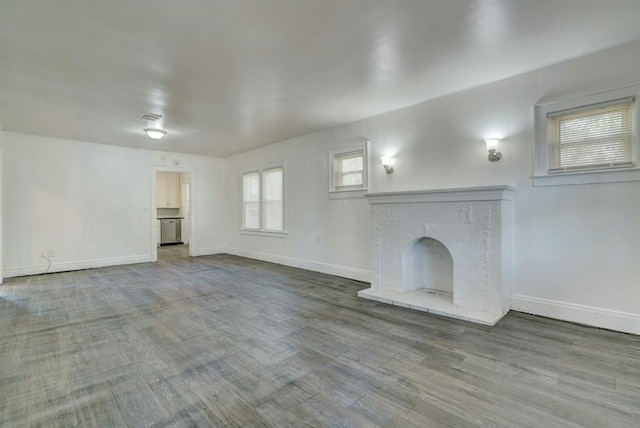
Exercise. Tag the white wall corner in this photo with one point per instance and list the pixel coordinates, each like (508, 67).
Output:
(581, 314)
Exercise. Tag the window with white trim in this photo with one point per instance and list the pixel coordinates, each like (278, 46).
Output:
(349, 169)
(273, 201)
(590, 139)
(251, 200)
(263, 199)
(595, 136)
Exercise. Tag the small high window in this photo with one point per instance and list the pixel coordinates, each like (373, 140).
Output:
(590, 139)
(596, 136)
(349, 170)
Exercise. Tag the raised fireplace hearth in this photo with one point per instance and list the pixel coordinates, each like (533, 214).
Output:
(444, 251)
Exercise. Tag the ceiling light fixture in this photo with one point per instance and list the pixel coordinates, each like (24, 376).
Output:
(155, 134)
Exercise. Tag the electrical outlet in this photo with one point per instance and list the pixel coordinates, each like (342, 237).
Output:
(51, 253)
(317, 239)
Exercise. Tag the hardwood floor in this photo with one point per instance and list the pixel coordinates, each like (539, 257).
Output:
(228, 341)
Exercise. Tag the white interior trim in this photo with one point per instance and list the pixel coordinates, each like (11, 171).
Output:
(264, 233)
(210, 251)
(330, 269)
(1, 210)
(76, 265)
(587, 177)
(542, 176)
(285, 197)
(582, 314)
(153, 209)
(480, 193)
(347, 193)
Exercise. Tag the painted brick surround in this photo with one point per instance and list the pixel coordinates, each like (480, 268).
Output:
(475, 226)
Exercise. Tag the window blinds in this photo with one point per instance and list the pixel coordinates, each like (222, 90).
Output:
(596, 136)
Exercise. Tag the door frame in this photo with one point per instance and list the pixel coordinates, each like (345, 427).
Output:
(153, 209)
(1, 209)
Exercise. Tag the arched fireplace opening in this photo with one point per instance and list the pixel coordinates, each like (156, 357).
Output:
(427, 265)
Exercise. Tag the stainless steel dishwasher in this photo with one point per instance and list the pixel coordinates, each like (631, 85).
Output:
(170, 231)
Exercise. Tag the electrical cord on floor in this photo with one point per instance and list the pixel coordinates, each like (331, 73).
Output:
(48, 260)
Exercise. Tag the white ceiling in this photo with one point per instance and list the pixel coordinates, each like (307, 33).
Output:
(232, 75)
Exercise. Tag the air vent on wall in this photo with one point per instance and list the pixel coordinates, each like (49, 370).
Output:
(152, 117)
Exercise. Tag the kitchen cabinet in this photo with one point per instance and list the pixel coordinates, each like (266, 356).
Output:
(158, 230)
(168, 190)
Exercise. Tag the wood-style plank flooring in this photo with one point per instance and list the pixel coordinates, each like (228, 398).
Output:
(228, 341)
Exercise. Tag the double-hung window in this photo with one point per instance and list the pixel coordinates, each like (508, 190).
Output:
(251, 200)
(263, 199)
(592, 139)
(349, 170)
(273, 200)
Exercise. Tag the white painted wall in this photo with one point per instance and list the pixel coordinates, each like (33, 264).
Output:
(89, 203)
(576, 247)
(1, 214)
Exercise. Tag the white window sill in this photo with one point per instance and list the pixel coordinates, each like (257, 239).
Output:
(347, 194)
(264, 233)
(587, 177)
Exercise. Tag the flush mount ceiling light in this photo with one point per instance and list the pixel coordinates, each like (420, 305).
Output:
(155, 134)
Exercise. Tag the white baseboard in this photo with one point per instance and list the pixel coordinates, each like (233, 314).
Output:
(342, 271)
(589, 315)
(76, 265)
(209, 251)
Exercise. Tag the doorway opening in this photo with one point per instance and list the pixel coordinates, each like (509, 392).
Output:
(173, 235)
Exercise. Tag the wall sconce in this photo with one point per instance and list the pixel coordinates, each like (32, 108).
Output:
(387, 163)
(492, 148)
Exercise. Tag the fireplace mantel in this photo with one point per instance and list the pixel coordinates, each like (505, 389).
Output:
(457, 194)
(412, 230)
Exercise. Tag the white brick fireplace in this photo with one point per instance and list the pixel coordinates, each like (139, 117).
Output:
(446, 251)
